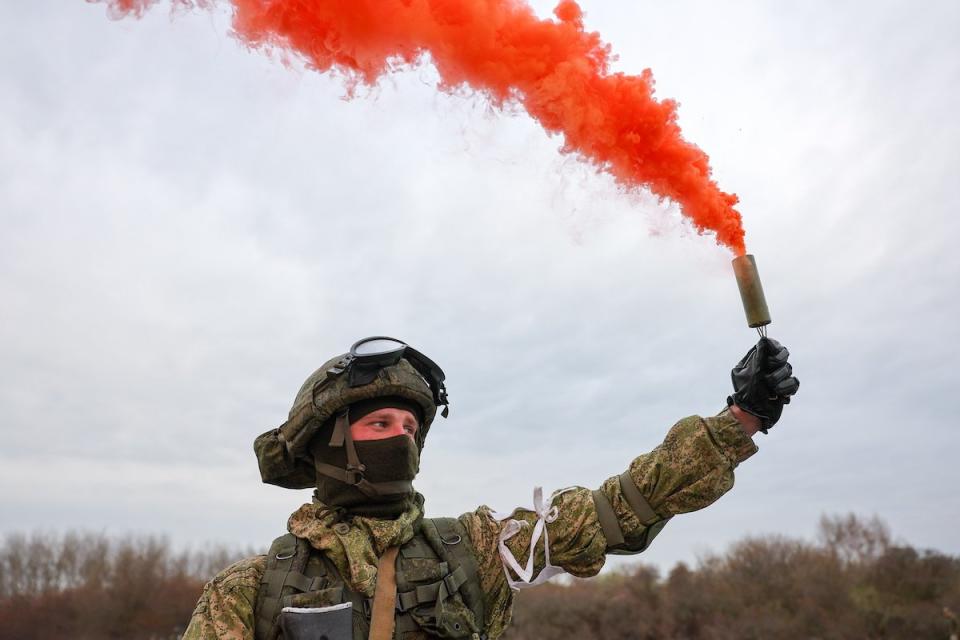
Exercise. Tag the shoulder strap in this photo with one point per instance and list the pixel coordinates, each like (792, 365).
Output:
(448, 537)
(280, 560)
(286, 561)
(383, 610)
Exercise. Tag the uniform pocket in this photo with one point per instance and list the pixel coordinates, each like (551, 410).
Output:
(448, 618)
(315, 599)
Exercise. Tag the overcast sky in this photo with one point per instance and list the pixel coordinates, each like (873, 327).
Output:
(188, 229)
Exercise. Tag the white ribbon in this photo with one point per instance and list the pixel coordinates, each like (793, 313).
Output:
(546, 513)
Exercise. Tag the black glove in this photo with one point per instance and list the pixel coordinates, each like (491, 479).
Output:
(763, 382)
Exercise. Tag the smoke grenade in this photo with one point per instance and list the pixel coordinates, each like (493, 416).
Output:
(751, 292)
(557, 70)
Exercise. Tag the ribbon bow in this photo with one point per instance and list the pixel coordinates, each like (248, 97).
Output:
(546, 513)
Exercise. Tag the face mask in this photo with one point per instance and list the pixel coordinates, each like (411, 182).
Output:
(393, 459)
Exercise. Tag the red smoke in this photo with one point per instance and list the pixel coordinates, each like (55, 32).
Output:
(555, 69)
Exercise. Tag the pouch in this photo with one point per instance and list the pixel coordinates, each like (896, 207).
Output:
(318, 623)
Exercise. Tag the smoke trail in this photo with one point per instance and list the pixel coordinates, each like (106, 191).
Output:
(555, 69)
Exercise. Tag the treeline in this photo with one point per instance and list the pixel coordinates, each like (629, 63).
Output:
(91, 587)
(853, 582)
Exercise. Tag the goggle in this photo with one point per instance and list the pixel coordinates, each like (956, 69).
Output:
(369, 355)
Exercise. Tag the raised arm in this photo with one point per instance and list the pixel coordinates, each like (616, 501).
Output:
(574, 529)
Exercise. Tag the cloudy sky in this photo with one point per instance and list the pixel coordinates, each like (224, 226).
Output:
(189, 228)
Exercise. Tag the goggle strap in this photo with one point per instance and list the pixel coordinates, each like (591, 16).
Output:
(427, 368)
(432, 374)
(342, 365)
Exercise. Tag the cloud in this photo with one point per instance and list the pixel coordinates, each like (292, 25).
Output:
(189, 229)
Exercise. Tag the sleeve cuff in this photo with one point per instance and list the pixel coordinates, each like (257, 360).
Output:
(733, 441)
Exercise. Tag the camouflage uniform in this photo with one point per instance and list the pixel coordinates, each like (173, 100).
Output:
(692, 468)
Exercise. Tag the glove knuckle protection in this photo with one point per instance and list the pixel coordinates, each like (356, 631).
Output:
(785, 388)
(779, 358)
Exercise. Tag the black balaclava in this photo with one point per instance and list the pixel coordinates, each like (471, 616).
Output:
(395, 459)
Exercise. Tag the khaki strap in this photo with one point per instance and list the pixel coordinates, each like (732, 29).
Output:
(385, 597)
(340, 427)
(343, 426)
(286, 578)
(353, 473)
(608, 519)
(434, 592)
(637, 502)
(368, 488)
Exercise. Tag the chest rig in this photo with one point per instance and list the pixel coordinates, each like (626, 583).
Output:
(438, 587)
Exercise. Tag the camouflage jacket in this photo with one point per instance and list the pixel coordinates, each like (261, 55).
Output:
(692, 468)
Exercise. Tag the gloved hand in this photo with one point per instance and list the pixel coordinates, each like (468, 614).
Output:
(763, 382)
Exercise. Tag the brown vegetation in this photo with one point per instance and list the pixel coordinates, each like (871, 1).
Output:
(854, 582)
(90, 587)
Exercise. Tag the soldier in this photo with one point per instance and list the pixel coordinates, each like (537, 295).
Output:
(361, 561)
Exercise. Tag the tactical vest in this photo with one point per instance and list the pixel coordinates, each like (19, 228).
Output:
(438, 586)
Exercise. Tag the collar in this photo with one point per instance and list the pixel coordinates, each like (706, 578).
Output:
(354, 544)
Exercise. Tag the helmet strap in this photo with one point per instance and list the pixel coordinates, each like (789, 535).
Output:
(353, 474)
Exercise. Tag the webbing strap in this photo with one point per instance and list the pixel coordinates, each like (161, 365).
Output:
(384, 598)
(433, 592)
(457, 552)
(340, 427)
(368, 488)
(282, 578)
(407, 624)
(336, 473)
(608, 519)
(635, 499)
(343, 425)
(287, 557)
(418, 548)
(353, 473)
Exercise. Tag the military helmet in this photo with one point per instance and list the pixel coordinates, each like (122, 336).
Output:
(327, 396)
(375, 367)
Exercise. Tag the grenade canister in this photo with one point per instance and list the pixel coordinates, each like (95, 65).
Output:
(751, 291)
